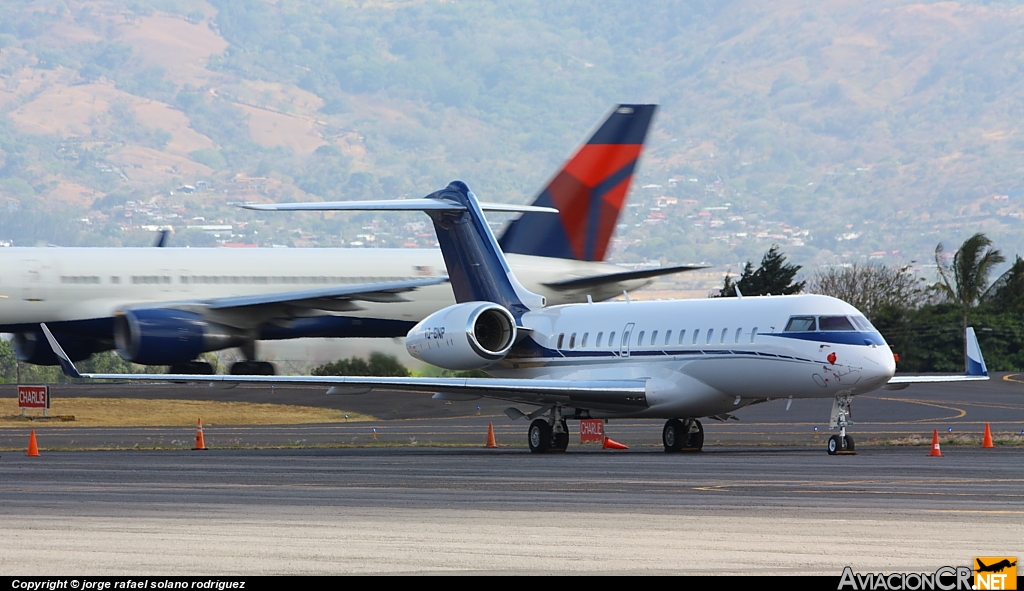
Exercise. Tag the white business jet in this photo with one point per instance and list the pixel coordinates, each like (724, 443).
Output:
(676, 360)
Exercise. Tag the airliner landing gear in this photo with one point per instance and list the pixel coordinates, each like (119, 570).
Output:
(253, 368)
(841, 444)
(686, 435)
(551, 434)
(192, 367)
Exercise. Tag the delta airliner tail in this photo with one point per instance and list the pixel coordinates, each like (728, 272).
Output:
(589, 192)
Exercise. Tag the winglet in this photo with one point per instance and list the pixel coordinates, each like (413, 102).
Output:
(66, 366)
(975, 362)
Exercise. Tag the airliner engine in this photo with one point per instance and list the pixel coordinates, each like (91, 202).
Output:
(162, 336)
(470, 335)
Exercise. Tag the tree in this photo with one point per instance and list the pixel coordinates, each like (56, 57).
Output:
(773, 277)
(964, 280)
(380, 365)
(1007, 292)
(871, 288)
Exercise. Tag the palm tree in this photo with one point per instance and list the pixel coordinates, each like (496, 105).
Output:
(964, 280)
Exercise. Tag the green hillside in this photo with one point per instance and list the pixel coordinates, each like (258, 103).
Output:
(836, 130)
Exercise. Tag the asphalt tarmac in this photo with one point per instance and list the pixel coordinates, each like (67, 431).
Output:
(745, 510)
(425, 496)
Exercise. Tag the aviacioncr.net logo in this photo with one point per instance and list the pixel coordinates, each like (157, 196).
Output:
(946, 578)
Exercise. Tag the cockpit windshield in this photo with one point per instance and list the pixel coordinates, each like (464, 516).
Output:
(835, 323)
(829, 323)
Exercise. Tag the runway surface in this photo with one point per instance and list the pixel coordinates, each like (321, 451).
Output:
(426, 497)
(408, 510)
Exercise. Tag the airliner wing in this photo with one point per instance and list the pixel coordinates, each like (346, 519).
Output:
(606, 278)
(975, 371)
(602, 394)
(386, 291)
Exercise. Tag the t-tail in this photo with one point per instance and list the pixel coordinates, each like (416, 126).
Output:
(477, 268)
(589, 193)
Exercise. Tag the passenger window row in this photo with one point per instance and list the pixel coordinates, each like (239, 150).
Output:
(724, 336)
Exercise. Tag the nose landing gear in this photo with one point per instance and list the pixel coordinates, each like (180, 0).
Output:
(841, 444)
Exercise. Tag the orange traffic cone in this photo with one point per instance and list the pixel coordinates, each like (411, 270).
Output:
(936, 452)
(200, 443)
(610, 444)
(490, 436)
(987, 442)
(33, 447)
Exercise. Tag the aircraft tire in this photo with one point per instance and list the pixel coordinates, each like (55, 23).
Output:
(834, 445)
(672, 436)
(253, 368)
(192, 367)
(539, 436)
(849, 443)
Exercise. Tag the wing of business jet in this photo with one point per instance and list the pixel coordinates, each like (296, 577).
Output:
(613, 395)
(975, 371)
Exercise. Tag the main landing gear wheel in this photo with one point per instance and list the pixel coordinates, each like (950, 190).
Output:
(685, 435)
(253, 368)
(192, 367)
(672, 436)
(540, 436)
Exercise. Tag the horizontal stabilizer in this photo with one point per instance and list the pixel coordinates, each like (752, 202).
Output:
(607, 278)
(400, 205)
(974, 372)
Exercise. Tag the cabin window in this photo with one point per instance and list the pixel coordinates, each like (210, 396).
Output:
(835, 323)
(682, 334)
(572, 340)
(599, 335)
(711, 334)
(738, 331)
(668, 335)
(753, 333)
(800, 324)
(584, 343)
(696, 335)
(725, 333)
(640, 339)
(611, 339)
(115, 279)
(561, 338)
(654, 337)
(625, 339)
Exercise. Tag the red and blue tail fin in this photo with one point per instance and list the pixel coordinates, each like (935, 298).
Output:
(588, 192)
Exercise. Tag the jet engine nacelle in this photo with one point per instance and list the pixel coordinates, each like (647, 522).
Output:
(470, 335)
(162, 336)
(32, 347)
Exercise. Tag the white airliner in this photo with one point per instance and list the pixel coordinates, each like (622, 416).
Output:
(676, 360)
(166, 306)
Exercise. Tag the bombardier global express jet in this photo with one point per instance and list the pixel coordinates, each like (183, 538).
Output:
(674, 360)
(166, 306)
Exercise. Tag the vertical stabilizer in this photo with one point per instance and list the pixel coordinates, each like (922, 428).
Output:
(476, 266)
(589, 193)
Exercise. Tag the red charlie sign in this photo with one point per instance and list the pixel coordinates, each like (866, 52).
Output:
(591, 430)
(34, 396)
